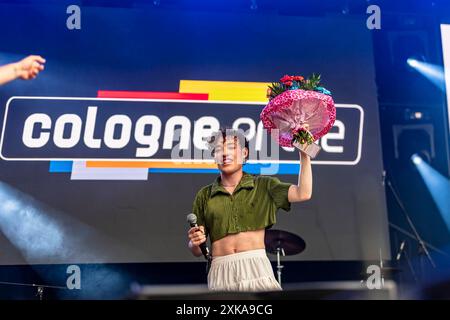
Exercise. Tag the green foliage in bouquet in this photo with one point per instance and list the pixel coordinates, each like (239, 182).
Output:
(302, 136)
(312, 83)
(295, 82)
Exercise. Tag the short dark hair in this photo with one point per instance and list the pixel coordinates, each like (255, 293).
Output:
(228, 132)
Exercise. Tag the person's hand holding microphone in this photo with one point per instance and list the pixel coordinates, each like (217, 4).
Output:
(197, 235)
(197, 238)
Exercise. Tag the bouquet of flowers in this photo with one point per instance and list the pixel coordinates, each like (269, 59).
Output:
(301, 110)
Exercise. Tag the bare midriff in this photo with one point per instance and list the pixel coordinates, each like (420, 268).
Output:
(238, 242)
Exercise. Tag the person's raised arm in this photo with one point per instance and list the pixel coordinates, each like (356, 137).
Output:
(25, 69)
(303, 190)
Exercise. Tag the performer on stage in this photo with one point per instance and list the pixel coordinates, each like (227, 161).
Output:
(26, 69)
(234, 212)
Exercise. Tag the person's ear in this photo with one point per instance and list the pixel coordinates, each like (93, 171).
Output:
(244, 154)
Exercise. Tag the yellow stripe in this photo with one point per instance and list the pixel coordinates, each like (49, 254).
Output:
(227, 90)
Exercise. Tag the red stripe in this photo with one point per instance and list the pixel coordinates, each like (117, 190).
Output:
(151, 95)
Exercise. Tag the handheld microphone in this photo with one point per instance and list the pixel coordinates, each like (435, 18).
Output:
(192, 219)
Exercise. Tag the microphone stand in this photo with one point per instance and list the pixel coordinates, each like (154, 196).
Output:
(422, 244)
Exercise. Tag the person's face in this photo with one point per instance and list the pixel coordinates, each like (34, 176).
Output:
(229, 155)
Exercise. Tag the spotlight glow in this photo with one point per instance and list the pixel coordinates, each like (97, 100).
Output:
(412, 62)
(437, 185)
(433, 73)
(418, 115)
(27, 225)
(44, 235)
(416, 159)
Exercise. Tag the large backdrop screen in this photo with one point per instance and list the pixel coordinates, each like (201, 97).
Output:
(100, 155)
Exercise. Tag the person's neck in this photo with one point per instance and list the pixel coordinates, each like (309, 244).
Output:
(231, 180)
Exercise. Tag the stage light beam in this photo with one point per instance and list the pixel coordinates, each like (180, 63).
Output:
(44, 235)
(434, 73)
(438, 186)
(27, 226)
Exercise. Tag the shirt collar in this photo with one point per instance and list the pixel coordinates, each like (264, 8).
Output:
(247, 182)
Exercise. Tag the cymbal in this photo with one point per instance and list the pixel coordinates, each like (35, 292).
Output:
(289, 242)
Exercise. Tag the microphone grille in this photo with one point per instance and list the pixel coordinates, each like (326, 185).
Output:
(192, 218)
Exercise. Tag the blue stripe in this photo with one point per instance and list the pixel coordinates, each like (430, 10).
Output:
(269, 168)
(60, 166)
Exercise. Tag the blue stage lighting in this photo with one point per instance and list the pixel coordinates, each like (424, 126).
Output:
(434, 73)
(412, 62)
(416, 159)
(438, 186)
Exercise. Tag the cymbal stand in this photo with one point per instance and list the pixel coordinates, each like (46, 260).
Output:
(280, 251)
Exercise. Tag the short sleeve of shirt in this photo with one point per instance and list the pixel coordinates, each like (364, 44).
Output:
(279, 192)
(198, 208)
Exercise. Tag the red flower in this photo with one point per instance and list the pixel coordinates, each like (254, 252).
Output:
(298, 78)
(286, 78)
(288, 83)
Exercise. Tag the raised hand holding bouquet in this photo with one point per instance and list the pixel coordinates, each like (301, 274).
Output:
(302, 111)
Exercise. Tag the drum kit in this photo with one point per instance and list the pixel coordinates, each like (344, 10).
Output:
(283, 243)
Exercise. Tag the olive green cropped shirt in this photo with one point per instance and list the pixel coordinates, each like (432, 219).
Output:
(252, 206)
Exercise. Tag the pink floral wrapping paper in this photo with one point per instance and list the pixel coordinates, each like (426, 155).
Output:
(292, 109)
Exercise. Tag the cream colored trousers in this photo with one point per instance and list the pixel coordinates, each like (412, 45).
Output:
(243, 271)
